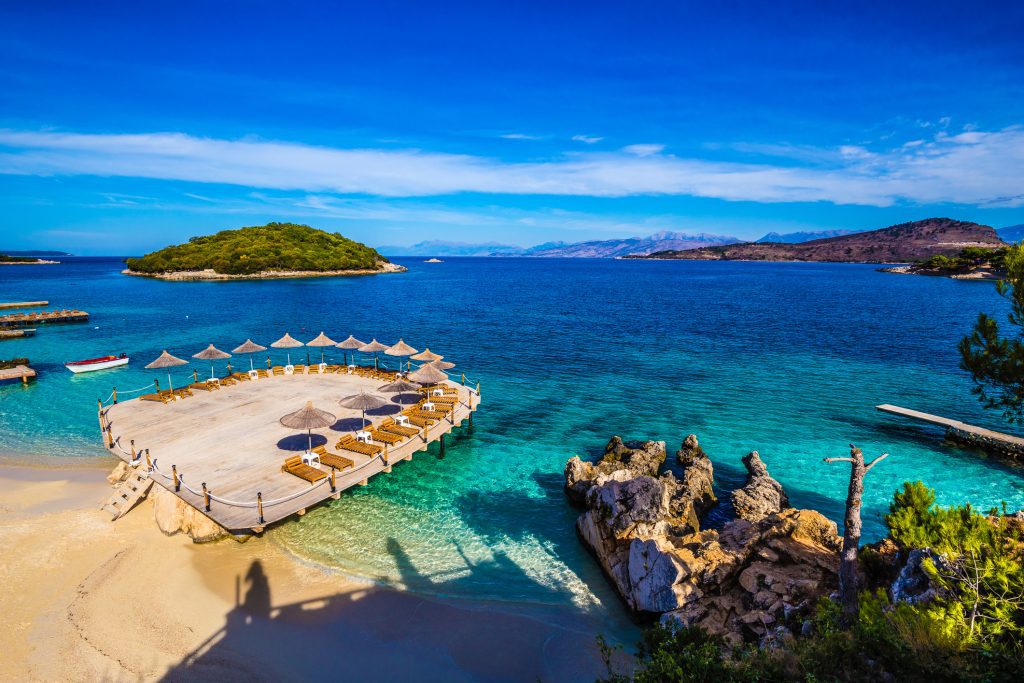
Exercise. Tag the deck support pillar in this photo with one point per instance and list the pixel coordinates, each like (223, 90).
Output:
(364, 482)
(387, 469)
(301, 512)
(442, 444)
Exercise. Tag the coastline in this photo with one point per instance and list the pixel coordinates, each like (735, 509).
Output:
(39, 262)
(980, 275)
(121, 600)
(211, 275)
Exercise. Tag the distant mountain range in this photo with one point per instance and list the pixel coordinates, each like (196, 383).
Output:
(1012, 233)
(901, 243)
(798, 237)
(612, 248)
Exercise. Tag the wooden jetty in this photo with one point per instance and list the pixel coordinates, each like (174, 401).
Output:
(16, 334)
(41, 317)
(222, 451)
(22, 372)
(23, 304)
(986, 439)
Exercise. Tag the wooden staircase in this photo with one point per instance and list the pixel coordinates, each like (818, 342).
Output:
(128, 493)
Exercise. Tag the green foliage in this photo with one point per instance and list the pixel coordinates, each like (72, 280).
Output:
(969, 257)
(4, 258)
(996, 363)
(275, 246)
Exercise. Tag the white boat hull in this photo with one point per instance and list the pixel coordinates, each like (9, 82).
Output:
(97, 366)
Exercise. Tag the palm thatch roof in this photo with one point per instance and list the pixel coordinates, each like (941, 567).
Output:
(362, 401)
(428, 374)
(351, 343)
(166, 360)
(211, 352)
(287, 342)
(249, 347)
(308, 417)
(441, 364)
(427, 355)
(400, 349)
(321, 340)
(398, 386)
(373, 347)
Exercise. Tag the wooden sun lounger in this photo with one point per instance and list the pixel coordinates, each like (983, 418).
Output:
(338, 462)
(430, 414)
(332, 368)
(419, 420)
(385, 436)
(443, 387)
(241, 376)
(182, 393)
(155, 397)
(349, 443)
(277, 369)
(262, 373)
(389, 425)
(313, 370)
(205, 386)
(299, 369)
(294, 465)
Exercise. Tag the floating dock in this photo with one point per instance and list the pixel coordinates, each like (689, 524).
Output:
(22, 372)
(229, 443)
(985, 439)
(16, 334)
(42, 317)
(23, 304)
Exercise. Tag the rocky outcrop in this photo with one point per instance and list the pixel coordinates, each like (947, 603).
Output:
(621, 461)
(761, 496)
(173, 515)
(751, 580)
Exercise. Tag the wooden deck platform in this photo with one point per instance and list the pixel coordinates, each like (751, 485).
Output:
(22, 372)
(41, 317)
(23, 304)
(17, 334)
(231, 440)
(961, 431)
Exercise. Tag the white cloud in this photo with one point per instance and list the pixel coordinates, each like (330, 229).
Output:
(520, 136)
(974, 167)
(644, 150)
(589, 139)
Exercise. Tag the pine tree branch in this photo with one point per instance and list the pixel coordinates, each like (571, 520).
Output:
(838, 460)
(874, 462)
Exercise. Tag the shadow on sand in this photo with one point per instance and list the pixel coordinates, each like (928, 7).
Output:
(377, 634)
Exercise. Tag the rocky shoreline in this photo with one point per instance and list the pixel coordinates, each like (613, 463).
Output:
(976, 274)
(210, 274)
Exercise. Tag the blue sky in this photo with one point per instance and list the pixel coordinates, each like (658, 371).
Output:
(126, 128)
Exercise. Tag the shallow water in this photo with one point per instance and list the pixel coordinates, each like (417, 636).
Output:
(788, 359)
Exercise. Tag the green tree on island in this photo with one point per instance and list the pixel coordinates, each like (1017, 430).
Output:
(996, 362)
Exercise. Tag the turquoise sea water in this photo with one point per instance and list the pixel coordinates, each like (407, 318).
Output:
(788, 359)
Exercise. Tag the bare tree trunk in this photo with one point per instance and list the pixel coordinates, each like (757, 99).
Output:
(848, 588)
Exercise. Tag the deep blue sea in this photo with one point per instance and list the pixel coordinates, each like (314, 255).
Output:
(787, 359)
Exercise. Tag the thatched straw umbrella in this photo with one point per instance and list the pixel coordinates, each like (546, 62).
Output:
(399, 386)
(166, 360)
(321, 341)
(363, 402)
(309, 418)
(287, 342)
(249, 347)
(427, 355)
(428, 374)
(373, 347)
(351, 344)
(400, 349)
(441, 365)
(211, 353)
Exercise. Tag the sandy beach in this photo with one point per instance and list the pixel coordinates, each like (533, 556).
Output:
(87, 599)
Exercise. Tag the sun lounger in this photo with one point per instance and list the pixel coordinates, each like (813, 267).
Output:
(313, 370)
(204, 386)
(349, 443)
(430, 414)
(417, 419)
(241, 376)
(389, 425)
(262, 373)
(338, 462)
(299, 370)
(277, 370)
(385, 436)
(333, 368)
(182, 393)
(163, 398)
(294, 465)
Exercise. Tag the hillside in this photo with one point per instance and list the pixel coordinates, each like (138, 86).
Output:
(1012, 233)
(906, 242)
(659, 241)
(444, 248)
(275, 249)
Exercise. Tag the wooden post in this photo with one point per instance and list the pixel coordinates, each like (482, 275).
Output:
(259, 498)
(463, 379)
(333, 487)
(442, 444)
(133, 450)
(177, 482)
(478, 388)
(115, 395)
(385, 454)
(195, 375)
(156, 385)
(206, 497)
(110, 436)
(149, 463)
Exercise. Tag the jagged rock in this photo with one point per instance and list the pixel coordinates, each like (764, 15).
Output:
(621, 461)
(744, 582)
(173, 515)
(761, 496)
(118, 474)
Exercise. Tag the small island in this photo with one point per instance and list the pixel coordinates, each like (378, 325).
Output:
(6, 260)
(972, 263)
(274, 250)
